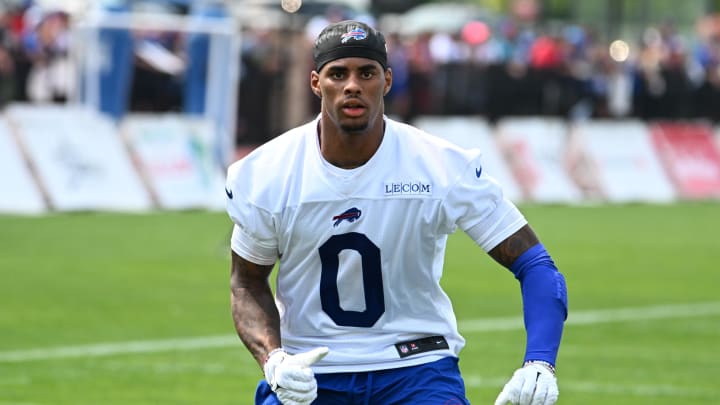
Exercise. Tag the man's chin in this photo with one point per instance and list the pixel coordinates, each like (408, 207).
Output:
(354, 127)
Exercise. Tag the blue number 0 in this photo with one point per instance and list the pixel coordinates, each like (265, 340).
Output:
(371, 276)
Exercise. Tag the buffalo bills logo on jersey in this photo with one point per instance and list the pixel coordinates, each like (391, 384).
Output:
(350, 215)
(357, 34)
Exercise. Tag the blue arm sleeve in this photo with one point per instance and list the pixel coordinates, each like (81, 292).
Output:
(545, 307)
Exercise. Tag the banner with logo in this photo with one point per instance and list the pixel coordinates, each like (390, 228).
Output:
(623, 161)
(175, 155)
(691, 158)
(469, 133)
(19, 193)
(79, 158)
(536, 149)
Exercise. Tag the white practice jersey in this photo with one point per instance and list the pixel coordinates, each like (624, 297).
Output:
(361, 251)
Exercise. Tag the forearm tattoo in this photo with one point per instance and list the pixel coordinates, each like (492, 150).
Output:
(515, 245)
(253, 307)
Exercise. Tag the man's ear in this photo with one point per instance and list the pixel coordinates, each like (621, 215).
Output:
(388, 80)
(315, 83)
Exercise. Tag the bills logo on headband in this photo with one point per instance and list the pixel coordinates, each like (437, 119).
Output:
(357, 34)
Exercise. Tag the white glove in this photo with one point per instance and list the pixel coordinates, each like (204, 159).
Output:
(533, 384)
(291, 377)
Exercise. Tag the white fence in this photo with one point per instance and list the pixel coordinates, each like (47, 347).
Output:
(61, 158)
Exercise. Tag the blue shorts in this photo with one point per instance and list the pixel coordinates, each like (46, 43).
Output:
(436, 383)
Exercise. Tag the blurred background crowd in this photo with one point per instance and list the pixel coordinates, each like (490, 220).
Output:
(647, 59)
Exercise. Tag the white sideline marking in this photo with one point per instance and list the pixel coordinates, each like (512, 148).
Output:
(109, 349)
(600, 316)
(479, 325)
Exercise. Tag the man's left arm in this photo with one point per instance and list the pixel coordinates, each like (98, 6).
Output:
(544, 295)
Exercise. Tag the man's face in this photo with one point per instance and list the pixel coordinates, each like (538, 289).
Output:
(352, 91)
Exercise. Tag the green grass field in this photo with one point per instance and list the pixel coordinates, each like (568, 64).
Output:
(133, 309)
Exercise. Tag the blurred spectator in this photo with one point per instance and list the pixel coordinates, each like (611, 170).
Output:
(707, 98)
(158, 63)
(157, 72)
(612, 87)
(46, 69)
(398, 99)
(260, 97)
(7, 64)
(707, 55)
(662, 85)
(454, 81)
(421, 71)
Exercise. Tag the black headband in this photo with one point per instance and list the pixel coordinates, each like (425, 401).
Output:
(348, 39)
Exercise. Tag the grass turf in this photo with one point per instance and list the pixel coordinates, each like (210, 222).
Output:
(83, 279)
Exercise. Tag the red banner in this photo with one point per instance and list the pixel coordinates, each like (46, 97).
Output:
(691, 158)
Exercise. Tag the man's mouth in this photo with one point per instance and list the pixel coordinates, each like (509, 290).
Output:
(353, 109)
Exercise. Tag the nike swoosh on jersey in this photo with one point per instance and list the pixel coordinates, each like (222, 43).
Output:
(478, 172)
(229, 193)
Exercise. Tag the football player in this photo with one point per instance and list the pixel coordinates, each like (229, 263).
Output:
(357, 209)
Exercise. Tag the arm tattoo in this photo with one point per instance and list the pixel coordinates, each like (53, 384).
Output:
(515, 245)
(254, 313)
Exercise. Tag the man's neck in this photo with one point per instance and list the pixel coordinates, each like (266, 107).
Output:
(349, 150)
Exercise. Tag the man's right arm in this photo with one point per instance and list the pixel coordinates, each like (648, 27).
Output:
(254, 312)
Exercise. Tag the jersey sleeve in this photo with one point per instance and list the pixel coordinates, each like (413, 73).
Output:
(477, 205)
(253, 235)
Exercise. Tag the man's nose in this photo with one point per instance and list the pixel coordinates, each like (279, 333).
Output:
(353, 85)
